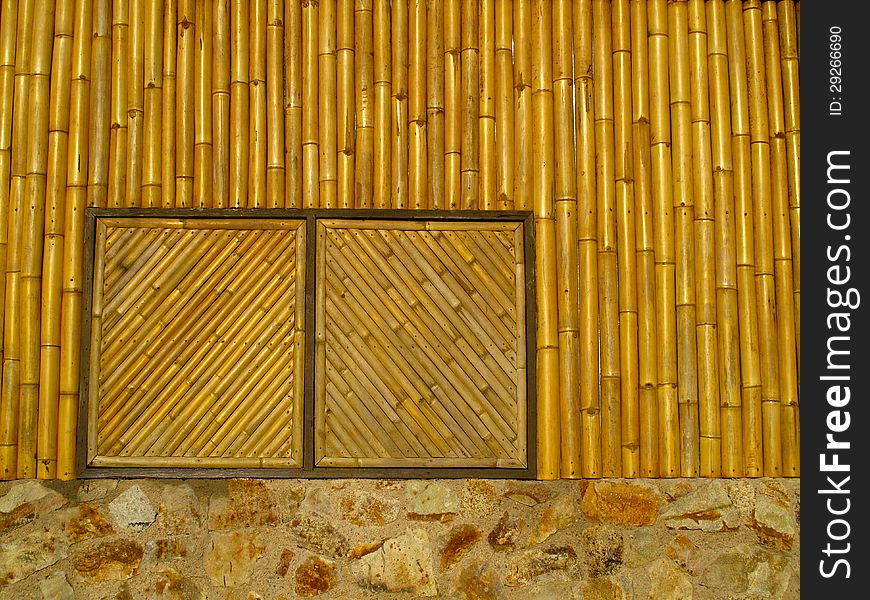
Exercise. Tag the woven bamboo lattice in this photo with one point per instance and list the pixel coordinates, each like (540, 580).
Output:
(196, 343)
(420, 349)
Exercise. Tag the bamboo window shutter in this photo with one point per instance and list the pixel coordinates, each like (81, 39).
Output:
(655, 143)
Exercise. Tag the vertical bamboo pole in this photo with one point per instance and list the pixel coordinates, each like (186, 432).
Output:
(797, 21)
(167, 138)
(8, 113)
(587, 236)
(486, 105)
(326, 104)
(435, 103)
(791, 100)
(523, 105)
(626, 237)
(382, 177)
(417, 124)
(763, 237)
(504, 112)
(293, 102)
(545, 257)
(135, 110)
(275, 176)
(647, 348)
(663, 226)
(746, 266)
(730, 400)
(184, 104)
(608, 301)
(239, 103)
(452, 104)
(782, 245)
(364, 67)
(220, 105)
(90, 29)
(100, 113)
(119, 134)
(705, 250)
(470, 107)
(257, 135)
(399, 105)
(203, 150)
(51, 259)
(310, 119)
(346, 104)
(153, 103)
(32, 224)
(567, 269)
(684, 216)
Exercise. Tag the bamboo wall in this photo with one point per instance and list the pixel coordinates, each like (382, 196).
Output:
(658, 144)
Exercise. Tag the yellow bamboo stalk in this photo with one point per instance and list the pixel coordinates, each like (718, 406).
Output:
(705, 250)
(167, 139)
(184, 104)
(135, 109)
(469, 163)
(382, 178)
(119, 134)
(9, 114)
(783, 267)
(418, 170)
(608, 301)
(275, 175)
(545, 259)
(51, 260)
(486, 106)
(240, 143)
(587, 236)
(364, 72)
(452, 104)
(257, 139)
(791, 99)
(89, 24)
(763, 234)
(730, 400)
(152, 104)
(399, 105)
(567, 267)
(626, 237)
(797, 20)
(203, 150)
(326, 104)
(663, 225)
(523, 105)
(681, 152)
(293, 103)
(746, 265)
(647, 348)
(346, 104)
(220, 105)
(504, 112)
(32, 223)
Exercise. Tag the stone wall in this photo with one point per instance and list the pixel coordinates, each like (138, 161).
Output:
(463, 539)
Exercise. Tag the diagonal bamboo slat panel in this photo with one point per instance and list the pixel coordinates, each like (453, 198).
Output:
(421, 343)
(667, 262)
(197, 342)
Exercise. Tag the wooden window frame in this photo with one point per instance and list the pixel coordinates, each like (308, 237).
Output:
(308, 470)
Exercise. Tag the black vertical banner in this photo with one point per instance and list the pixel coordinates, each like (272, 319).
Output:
(835, 348)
